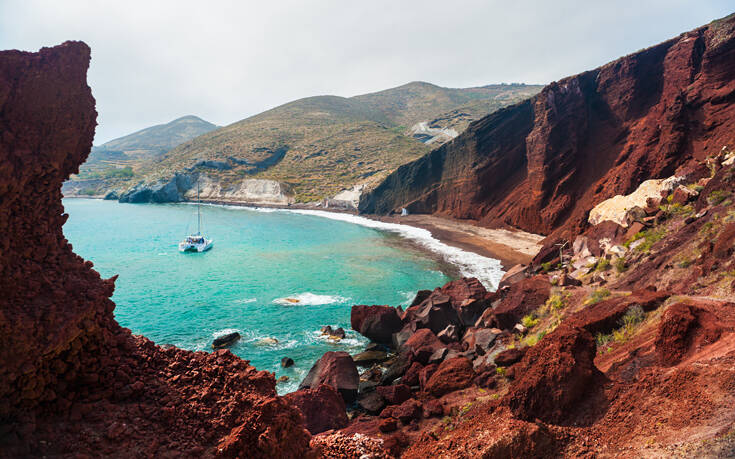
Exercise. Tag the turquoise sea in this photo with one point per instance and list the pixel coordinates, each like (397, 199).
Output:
(259, 259)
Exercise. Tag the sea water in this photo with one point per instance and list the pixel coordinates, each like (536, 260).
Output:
(270, 274)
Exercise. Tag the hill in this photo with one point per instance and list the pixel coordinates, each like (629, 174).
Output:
(114, 163)
(318, 146)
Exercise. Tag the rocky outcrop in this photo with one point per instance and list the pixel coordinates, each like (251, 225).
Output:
(543, 164)
(336, 369)
(377, 323)
(171, 190)
(72, 381)
(323, 408)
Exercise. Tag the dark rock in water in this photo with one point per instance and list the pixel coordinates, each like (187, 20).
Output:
(377, 323)
(112, 196)
(287, 362)
(225, 341)
(339, 333)
(326, 330)
(282, 379)
(371, 402)
(336, 369)
(367, 358)
(322, 407)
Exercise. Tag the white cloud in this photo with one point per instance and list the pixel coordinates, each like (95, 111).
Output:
(155, 60)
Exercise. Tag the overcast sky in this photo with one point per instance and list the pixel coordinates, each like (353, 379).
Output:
(153, 61)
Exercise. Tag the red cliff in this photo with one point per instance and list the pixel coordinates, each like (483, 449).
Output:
(72, 381)
(542, 165)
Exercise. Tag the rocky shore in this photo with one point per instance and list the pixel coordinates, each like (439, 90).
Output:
(620, 342)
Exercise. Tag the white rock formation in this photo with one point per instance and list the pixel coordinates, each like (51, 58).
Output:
(251, 191)
(616, 208)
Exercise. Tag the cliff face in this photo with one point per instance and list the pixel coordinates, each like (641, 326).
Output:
(72, 381)
(541, 165)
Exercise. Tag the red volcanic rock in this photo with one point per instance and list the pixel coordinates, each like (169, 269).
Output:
(411, 377)
(541, 165)
(425, 374)
(422, 344)
(336, 369)
(681, 326)
(377, 323)
(480, 340)
(682, 195)
(461, 290)
(510, 356)
(395, 394)
(452, 374)
(408, 411)
(323, 408)
(388, 425)
(725, 243)
(436, 314)
(433, 407)
(522, 298)
(72, 381)
(553, 375)
(605, 316)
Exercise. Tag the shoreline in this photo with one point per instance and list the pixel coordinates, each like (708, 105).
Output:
(508, 246)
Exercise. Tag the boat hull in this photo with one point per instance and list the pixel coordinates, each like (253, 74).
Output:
(196, 248)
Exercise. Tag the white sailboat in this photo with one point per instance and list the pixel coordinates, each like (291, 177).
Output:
(196, 242)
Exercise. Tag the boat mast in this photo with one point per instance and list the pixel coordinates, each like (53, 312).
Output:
(199, 216)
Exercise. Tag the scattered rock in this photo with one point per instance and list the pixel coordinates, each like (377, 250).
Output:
(422, 344)
(287, 362)
(371, 402)
(367, 358)
(522, 298)
(449, 334)
(266, 342)
(388, 425)
(407, 411)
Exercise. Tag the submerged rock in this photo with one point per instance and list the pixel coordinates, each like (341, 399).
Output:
(226, 340)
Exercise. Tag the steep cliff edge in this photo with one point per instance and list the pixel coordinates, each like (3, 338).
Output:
(542, 165)
(72, 381)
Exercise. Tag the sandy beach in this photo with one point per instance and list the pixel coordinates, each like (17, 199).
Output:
(509, 246)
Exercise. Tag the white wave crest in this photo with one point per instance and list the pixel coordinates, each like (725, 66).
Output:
(225, 331)
(309, 299)
(246, 300)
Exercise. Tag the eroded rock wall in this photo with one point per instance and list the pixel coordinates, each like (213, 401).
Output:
(543, 164)
(72, 381)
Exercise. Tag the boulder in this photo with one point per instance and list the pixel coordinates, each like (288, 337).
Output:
(514, 274)
(323, 408)
(449, 334)
(394, 394)
(487, 319)
(336, 369)
(225, 341)
(396, 369)
(421, 295)
(436, 314)
(683, 327)
(425, 374)
(377, 323)
(451, 375)
(411, 377)
(522, 298)
(683, 195)
(508, 357)
(287, 362)
(338, 333)
(480, 340)
(371, 402)
(408, 411)
(421, 345)
(388, 425)
(368, 358)
(399, 338)
(438, 355)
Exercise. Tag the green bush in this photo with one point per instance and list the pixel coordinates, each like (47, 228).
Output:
(717, 197)
(620, 265)
(530, 321)
(603, 264)
(597, 296)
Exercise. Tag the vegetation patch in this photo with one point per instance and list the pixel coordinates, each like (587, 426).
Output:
(629, 324)
(597, 296)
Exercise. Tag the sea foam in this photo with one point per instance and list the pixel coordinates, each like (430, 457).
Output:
(310, 299)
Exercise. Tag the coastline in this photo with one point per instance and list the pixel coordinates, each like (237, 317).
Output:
(508, 246)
